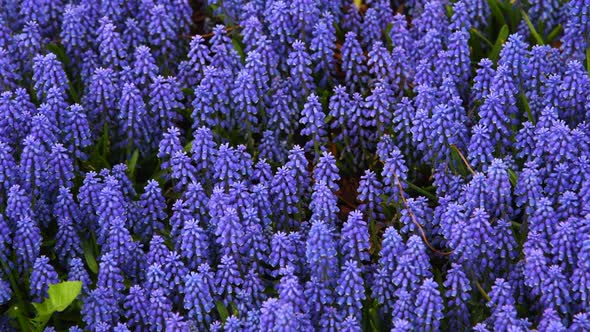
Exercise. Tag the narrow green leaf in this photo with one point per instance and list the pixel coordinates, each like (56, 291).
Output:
(132, 163)
(60, 53)
(554, 33)
(375, 321)
(482, 291)
(513, 177)
(96, 161)
(234, 309)
(387, 34)
(339, 32)
(188, 147)
(421, 191)
(449, 11)
(502, 37)
(458, 163)
(534, 32)
(222, 310)
(497, 12)
(238, 48)
(17, 312)
(89, 256)
(476, 46)
(480, 35)
(527, 108)
(105, 140)
(514, 17)
(73, 93)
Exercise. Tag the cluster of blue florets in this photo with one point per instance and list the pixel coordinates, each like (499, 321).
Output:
(306, 165)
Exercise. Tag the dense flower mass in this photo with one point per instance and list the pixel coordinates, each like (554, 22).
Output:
(294, 165)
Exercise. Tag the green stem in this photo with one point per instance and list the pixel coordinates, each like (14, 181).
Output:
(316, 149)
(20, 307)
(482, 291)
(421, 191)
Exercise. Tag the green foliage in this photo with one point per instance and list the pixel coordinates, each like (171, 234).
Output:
(480, 35)
(497, 12)
(132, 163)
(222, 310)
(89, 256)
(60, 297)
(536, 36)
(387, 36)
(500, 40)
(59, 53)
(513, 177)
(73, 88)
(554, 33)
(525, 104)
(371, 320)
(238, 47)
(100, 151)
(422, 191)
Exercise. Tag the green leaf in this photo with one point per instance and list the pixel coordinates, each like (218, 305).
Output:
(238, 48)
(89, 256)
(189, 146)
(482, 291)
(63, 294)
(97, 161)
(339, 32)
(502, 37)
(513, 177)
(527, 108)
(476, 46)
(132, 163)
(534, 32)
(222, 310)
(497, 12)
(73, 93)
(554, 33)
(188, 91)
(514, 16)
(60, 53)
(103, 144)
(375, 321)
(60, 297)
(421, 191)
(388, 40)
(17, 312)
(458, 164)
(480, 35)
(449, 11)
